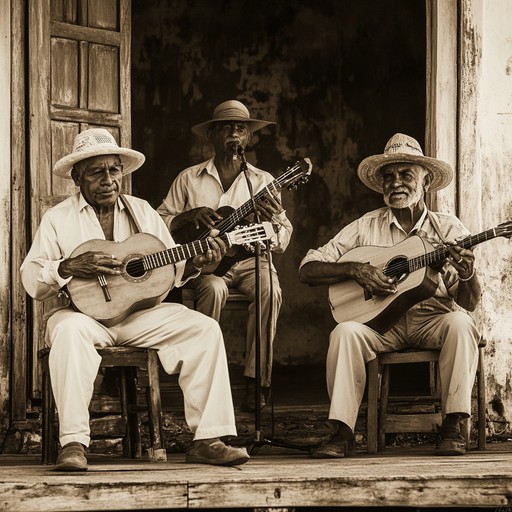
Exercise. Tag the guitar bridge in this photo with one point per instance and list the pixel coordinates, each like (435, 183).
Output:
(104, 287)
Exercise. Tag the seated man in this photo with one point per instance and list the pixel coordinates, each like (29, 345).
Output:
(187, 341)
(403, 175)
(193, 199)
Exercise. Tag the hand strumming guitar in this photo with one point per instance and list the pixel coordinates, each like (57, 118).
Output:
(202, 216)
(373, 279)
(90, 264)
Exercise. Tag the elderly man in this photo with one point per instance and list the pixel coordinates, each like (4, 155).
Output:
(403, 175)
(187, 341)
(193, 199)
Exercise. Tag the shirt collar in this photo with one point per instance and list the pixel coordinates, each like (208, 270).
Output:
(393, 220)
(209, 167)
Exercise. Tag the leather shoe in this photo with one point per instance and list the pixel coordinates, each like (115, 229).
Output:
(336, 446)
(71, 458)
(214, 451)
(451, 445)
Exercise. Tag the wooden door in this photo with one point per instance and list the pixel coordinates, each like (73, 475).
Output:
(79, 77)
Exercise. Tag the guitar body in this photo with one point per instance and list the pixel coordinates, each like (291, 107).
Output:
(128, 293)
(188, 233)
(350, 302)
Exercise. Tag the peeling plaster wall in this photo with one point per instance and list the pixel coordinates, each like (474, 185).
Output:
(494, 128)
(340, 77)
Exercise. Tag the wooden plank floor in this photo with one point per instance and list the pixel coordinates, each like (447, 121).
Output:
(398, 477)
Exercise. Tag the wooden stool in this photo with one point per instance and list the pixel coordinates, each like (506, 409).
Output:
(380, 421)
(138, 367)
(235, 300)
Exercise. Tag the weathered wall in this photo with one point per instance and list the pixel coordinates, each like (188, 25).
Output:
(492, 172)
(339, 77)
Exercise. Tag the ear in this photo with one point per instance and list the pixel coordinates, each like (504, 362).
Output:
(76, 176)
(427, 181)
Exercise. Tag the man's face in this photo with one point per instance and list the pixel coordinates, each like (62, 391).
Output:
(227, 135)
(404, 184)
(99, 178)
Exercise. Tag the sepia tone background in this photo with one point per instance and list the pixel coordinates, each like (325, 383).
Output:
(339, 78)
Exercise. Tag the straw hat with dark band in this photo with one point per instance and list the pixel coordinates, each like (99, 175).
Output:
(403, 149)
(231, 110)
(94, 142)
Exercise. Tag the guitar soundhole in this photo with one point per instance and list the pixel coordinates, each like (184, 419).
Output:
(135, 268)
(397, 267)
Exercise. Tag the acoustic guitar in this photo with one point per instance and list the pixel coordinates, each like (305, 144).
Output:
(409, 262)
(294, 175)
(144, 281)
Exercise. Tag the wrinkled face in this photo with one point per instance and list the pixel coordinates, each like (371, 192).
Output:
(404, 184)
(99, 178)
(227, 135)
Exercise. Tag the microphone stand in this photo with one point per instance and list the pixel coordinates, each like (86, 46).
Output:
(259, 440)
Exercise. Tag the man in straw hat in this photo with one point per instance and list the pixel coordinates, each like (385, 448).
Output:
(403, 175)
(187, 341)
(193, 199)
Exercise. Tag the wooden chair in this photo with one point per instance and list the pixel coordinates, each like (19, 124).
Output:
(137, 367)
(380, 421)
(235, 300)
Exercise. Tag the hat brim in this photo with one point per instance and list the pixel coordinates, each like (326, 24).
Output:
(201, 129)
(130, 159)
(368, 170)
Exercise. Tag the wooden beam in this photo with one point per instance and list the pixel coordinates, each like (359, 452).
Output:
(441, 94)
(5, 206)
(19, 371)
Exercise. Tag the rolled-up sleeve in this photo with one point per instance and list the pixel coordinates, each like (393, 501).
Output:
(175, 202)
(39, 271)
(333, 250)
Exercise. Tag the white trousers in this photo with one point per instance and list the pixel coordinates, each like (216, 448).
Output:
(353, 344)
(187, 341)
(212, 292)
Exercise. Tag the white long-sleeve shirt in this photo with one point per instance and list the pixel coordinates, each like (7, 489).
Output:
(200, 185)
(72, 222)
(381, 228)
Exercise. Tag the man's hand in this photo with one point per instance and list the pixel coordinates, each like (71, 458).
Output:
(214, 254)
(373, 279)
(462, 260)
(90, 264)
(269, 207)
(200, 217)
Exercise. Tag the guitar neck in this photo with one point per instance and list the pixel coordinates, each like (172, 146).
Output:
(434, 257)
(175, 254)
(243, 211)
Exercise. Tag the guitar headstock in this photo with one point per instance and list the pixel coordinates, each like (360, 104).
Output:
(297, 174)
(249, 234)
(504, 229)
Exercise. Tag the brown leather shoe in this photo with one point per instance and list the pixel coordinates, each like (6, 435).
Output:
(214, 451)
(452, 445)
(336, 447)
(71, 458)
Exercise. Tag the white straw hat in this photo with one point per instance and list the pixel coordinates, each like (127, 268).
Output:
(231, 110)
(403, 149)
(94, 142)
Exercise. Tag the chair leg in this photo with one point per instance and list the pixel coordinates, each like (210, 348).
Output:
(156, 451)
(384, 398)
(372, 412)
(123, 398)
(481, 398)
(48, 441)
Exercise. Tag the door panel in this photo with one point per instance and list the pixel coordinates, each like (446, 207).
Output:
(79, 72)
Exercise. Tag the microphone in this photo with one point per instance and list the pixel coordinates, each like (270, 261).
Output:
(240, 152)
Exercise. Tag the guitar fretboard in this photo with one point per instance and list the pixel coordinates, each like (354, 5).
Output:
(175, 254)
(274, 186)
(436, 256)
